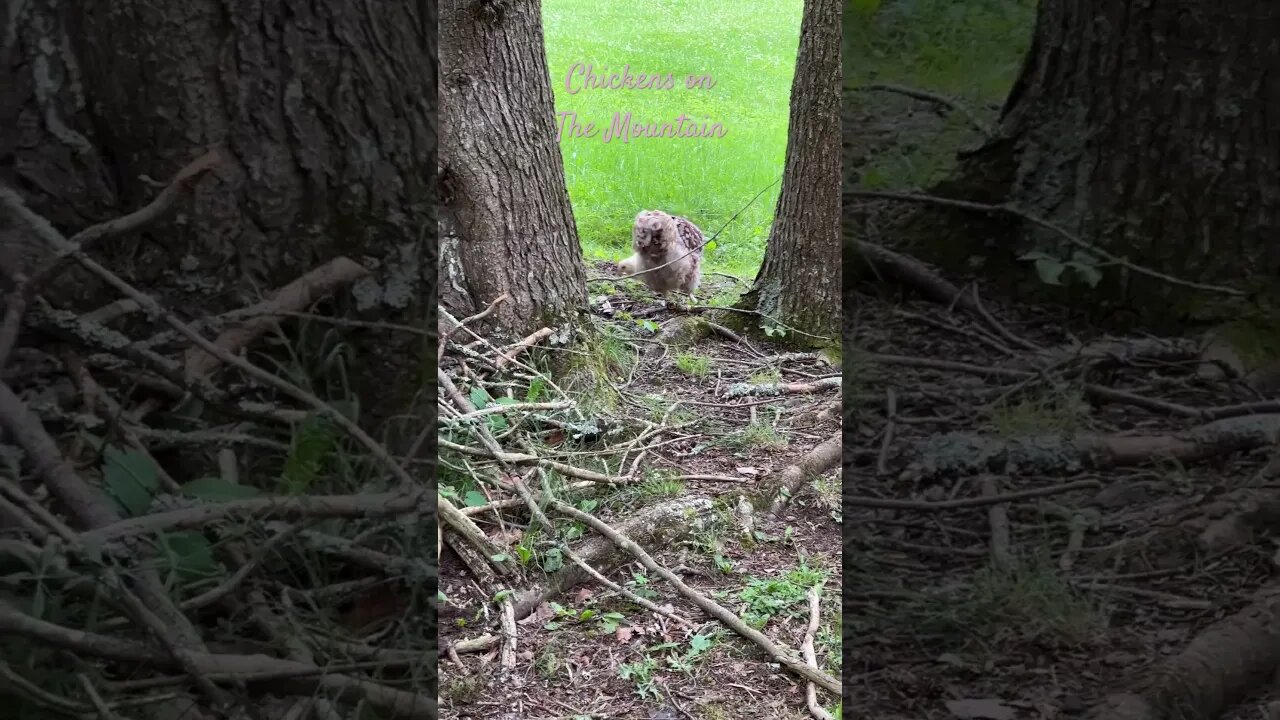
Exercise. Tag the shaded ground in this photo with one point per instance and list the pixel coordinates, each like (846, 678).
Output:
(933, 629)
(620, 660)
(931, 621)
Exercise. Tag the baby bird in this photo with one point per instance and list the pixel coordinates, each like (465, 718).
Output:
(657, 239)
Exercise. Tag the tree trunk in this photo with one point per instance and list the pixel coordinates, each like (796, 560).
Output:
(799, 283)
(506, 223)
(1148, 129)
(323, 108)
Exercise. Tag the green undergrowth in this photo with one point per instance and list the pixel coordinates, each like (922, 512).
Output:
(1029, 603)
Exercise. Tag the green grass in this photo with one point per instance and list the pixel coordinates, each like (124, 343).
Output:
(748, 47)
(969, 51)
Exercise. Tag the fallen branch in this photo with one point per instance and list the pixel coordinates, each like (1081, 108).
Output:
(823, 457)
(380, 505)
(784, 656)
(810, 657)
(509, 353)
(1040, 222)
(965, 453)
(301, 293)
(447, 335)
(741, 389)
(522, 459)
(222, 667)
(933, 98)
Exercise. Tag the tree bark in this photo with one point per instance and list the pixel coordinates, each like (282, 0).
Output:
(1147, 129)
(800, 281)
(506, 222)
(324, 108)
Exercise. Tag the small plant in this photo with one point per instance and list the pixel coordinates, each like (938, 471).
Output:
(695, 365)
(1083, 266)
(765, 377)
(661, 484)
(756, 435)
(1058, 411)
(641, 673)
(600, 360)
(639, 584)
(549, 663)
(766, 598)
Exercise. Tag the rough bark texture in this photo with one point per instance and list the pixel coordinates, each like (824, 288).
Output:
(325, 110)
(799, 283)
(506, 223)
(1149, 129)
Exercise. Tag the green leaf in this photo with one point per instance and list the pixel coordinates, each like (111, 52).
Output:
(1050, 270)
(505, 400)
(216, 489)
(1084, 257)
(132, 480)
(700, 643)
(552, 561)
(711, 246)
(189, 554)
(1090, 274)
(475, 498)
(479, 398)
(536, 388)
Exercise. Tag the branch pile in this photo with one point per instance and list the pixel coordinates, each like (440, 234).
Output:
(154, 554)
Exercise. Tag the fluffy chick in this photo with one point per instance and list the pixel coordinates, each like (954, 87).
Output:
(657, 239)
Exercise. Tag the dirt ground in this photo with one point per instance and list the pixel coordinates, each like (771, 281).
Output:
(933, 628)
(928, 622)
(637, 664)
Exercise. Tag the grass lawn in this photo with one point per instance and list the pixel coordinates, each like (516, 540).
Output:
(748, 47)
(970, 51)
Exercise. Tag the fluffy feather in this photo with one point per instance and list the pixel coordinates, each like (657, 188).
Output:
(657, 239)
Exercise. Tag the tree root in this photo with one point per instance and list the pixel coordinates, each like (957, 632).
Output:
(1223, 665)
(822, 458)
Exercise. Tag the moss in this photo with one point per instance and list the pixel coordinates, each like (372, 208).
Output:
(1255, 340)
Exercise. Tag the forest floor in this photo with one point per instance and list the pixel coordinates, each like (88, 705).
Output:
(934, 626)
(590, 652)
(976, 587)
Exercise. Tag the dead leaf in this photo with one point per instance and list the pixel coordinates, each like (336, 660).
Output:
(748, 471)
(507, 538)
(623, 634)
(981, 709)
(539, 616)
(584, 594)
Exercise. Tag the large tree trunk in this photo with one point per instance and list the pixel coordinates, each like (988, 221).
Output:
(1148, 129)
(324, 111)
(506, 223)
(799, 283)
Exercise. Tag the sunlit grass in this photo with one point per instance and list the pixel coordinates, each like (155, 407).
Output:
(748, 47)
